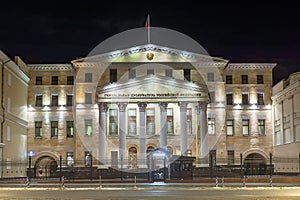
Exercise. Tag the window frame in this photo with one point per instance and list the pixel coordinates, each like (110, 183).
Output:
(54, 100)
(231, 99)
(245, 127)
(39, 80)
(244, 79)
(228, 79)
(70, 80)
(54, 80)
(54, 129)
(261, 126)
(210, 76)
(230, 126)
(211, 122)
(39, 100)
(88, 123)
(260, 79)
(70, 129)
(38, 130)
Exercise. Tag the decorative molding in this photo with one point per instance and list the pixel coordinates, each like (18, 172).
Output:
(142, 106)
(251, 65)
(122, 106)
(52, 67)
(102, 107)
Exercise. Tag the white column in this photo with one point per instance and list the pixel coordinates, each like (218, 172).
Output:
(293, 135)
(183, 131)
(163, 124)
(102, 133)
(142, 125)
(282, 123)
(122, 130)
(203, 130)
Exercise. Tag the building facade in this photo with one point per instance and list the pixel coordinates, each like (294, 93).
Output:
(286, 114)
(14, 93)
(119, 106)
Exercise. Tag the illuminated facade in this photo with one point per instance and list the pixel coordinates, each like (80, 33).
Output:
(286, 114)
(152, 97)
(13, 145)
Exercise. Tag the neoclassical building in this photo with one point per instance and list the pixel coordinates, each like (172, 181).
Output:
(119, 106)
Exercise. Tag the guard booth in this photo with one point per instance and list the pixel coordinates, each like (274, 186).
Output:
(181, 167)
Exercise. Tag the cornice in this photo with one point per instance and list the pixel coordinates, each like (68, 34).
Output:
(50, 67)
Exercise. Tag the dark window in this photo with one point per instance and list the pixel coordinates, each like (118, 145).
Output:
(38, 129)
(212, 157)
(150, 71)
(54, 100)
(54, 128)
(261, 127)
(70, 80)
(88, 77)
(229, 99)
(69, 100)
(131, 73)
(187, 74)
(260, 99)
(210, 77)
(244, 79)
(88, 98)
(228, 79)
(212, 97)
(169, 72)
(39, 80)
(70, 129)
(260, 79)
(245, 99)
(113, 75)
(39, 100)
(54, 80)
(230, 155)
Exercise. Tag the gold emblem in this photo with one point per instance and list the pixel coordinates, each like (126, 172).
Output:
(149, 56)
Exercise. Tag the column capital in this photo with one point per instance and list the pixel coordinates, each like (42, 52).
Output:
(102, 106)
(202, 106)
(122, 106)
(142, 106)
(163, 106)
(182, 105)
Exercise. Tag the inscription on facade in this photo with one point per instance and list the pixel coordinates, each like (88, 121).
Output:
(155, 95)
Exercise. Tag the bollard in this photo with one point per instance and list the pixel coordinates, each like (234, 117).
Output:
(244, 181)
(27, 182)
(135, 182)
(217, 182)
(271, 181)
(223, 181)
(100, 182)
(62, 181)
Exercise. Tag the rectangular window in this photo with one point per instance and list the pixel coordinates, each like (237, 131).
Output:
(260, 99)
(131, 73)
(39, 100)
(212, 97)
(70, 129)
(54, 80)
(245, 127)
(230, 156)
(189, 121)
(170, 121)
(88, 77)
(244, 79)
(131, 121)
(38, 129)
(70, 80)
(169, 72)
(229, 99)
(210, 77)
(54, 129)
(260, 79)
(261, 127)
(88, 124)
(70, 158)
(113, 75)
(54, 100)
(187, 74)
(69, 100)
(228, 79)
(88, 98)
(113, 122)
(212, 158)
(245, 99)
(150, 71)
(230, 127)
(150, 121)
(211, 125)
(8, 138)
(39, 80)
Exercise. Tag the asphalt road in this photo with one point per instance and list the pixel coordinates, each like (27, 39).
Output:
(153, 193)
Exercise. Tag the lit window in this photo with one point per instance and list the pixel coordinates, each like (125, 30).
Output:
(54, 100)
(54, 129)
(228, 79)
(229, 127)
(88, 98)
(150, 121)
(245, 99)
(70, 80)
(210, 77)
(70, 129)
(54, 80)
(39, 100)
(260, 99)
(113, 122)
(260, 79)
(245, 127)
(70, 158)
(211, 126)
(88, 77)
(38, 129)
(170, 125)
(261, 127)
(229, 99)
(131, 121)
(88, 124)
(38, 80)
(244, 79)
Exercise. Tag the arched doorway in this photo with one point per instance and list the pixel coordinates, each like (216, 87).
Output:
(255, 164)
(132, 158)
(45, 166)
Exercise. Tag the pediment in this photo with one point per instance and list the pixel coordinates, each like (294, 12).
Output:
(153, 88)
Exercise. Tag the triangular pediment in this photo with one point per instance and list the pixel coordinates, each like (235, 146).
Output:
(152, 53)
(153, 88)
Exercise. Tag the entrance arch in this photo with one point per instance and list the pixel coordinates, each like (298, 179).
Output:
(255, 164)
(45, 166)
(132, 158)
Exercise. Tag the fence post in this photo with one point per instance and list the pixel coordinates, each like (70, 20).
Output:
(244, 181)
(29, 166)
(60, 167)
(217, 181)
(91, 167)
(241, 164)
(223, 181)
(271, 165)
(62, 181)
(27, 182)
(121, 167)
(100, 182)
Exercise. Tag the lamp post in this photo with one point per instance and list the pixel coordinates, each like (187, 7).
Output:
(30, 154)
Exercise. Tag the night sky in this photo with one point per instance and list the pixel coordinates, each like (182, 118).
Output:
(61, 31)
